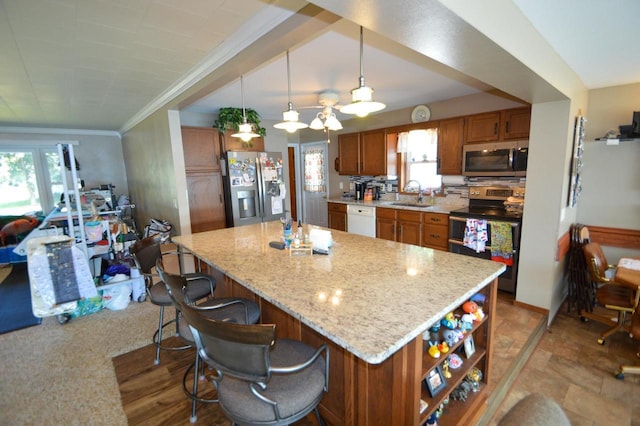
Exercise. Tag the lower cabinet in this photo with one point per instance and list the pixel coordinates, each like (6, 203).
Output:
(435, 231)
(386, 223)
(337, 216)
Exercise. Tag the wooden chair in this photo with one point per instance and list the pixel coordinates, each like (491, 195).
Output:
(634, 333)
(617, 295)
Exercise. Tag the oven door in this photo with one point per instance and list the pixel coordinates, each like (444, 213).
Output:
(457, 227)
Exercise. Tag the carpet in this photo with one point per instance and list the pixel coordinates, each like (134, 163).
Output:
(15, 301)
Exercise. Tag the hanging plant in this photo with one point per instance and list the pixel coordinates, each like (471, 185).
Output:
(230, 118)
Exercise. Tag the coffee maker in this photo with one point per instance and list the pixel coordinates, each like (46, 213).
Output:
(361, 188)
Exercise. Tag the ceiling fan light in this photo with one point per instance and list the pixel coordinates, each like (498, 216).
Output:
(332, 123)
(317, 124)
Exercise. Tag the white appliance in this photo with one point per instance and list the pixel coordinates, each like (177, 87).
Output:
(254, 187)
(361, 220)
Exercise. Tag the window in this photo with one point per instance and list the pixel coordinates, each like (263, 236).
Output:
(420, 157)
(30, 179)
(314, 179)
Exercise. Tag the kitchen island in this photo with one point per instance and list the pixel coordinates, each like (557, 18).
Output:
(370, 300)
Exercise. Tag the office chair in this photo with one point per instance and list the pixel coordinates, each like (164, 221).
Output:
(635, 334)
(145, 253)
(232, 309)
(614, 294)
(260, 380)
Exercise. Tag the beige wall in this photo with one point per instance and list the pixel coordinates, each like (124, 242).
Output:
(611, 173)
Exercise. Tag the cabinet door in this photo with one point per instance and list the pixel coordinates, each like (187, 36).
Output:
(373, 153)
(201, 149)
(482, 127)
(409, 227)
(206, 202)
(450, 133)
(386, 224)
(349, 154)
(337, 216)
(229, 143)
(435, 231)
(515, 123)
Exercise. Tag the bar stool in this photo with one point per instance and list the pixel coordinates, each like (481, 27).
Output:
(227, 309)
(145, 253)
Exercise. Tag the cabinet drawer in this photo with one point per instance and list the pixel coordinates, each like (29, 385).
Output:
(409, 216)
(435, 236)
(337, 207)
(386, 213)
(435, 218)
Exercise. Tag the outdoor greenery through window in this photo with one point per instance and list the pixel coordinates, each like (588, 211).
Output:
(30, 180)
(420, 148)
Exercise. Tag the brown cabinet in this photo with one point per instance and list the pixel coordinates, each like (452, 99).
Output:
(366, 153)
(450, 134)
(229, 143)
(409, 227)
(403, 226)
(435, 230)
(386, 223)
(516, 123)
(337, 216)
(204, 181)
(482, 127)
(497, 125)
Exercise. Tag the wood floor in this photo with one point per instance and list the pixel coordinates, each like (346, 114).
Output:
(567, 364)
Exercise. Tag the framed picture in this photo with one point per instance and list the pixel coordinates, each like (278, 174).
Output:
(435, 381)
(575, 167)
(469, 346)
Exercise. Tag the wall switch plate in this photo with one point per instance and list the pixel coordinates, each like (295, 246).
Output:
(341, 185)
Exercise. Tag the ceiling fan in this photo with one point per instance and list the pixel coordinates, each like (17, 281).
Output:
(326, 119)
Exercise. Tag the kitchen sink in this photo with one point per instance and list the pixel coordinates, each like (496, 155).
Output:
(416, 205)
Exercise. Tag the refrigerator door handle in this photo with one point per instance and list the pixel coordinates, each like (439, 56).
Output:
(261, 191)
(223, 166)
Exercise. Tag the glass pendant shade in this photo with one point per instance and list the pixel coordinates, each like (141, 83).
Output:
(326, 120)
(317, 123)
(362, 102)
(245, 130)
(290, 121)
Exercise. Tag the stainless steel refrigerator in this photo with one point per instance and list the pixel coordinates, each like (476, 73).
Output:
(254, 187)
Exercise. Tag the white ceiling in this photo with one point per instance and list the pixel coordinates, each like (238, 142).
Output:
(95, 64)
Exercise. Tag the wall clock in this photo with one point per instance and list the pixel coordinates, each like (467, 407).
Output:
(420, 113)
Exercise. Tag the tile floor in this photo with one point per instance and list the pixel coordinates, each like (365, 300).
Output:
(572, 368)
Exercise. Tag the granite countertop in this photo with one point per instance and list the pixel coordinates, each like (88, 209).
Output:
(370, 296)
(402, 205)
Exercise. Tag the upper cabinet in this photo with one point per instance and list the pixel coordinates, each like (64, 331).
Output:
(201, 149)
(366, 153)
(497, 125)
(516, 123)
(450, 133)
(229, 143)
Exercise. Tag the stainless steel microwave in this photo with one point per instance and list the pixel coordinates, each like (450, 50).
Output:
(495, 159)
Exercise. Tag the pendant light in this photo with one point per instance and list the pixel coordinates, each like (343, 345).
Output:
(245, 130)
(362, 102)
(326, 119)
(290, 121)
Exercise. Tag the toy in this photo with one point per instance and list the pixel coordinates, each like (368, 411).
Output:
(466, 322)
(449, 321)
(433, 350)
(443, 347)
(455, 361)
(450, 337)
(473, 308)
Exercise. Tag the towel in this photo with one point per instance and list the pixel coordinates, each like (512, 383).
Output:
(475, 234)
(501, 243)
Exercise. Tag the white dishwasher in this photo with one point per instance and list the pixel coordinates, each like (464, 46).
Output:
(361, 220)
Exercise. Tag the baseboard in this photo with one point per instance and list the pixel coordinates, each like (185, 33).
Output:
(533, 308)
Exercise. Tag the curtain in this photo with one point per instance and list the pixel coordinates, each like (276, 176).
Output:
(314, 178)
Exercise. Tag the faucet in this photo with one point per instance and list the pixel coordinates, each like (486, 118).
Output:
(419, 189)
